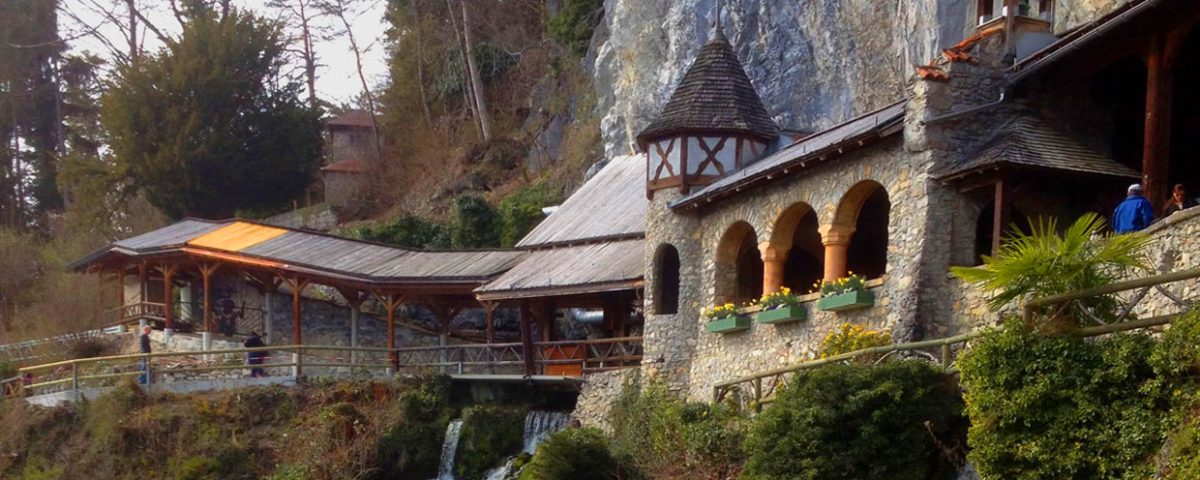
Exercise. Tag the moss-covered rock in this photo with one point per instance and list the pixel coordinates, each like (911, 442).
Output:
(490, 434)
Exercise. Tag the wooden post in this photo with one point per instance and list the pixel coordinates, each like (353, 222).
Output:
(142, 282)
(206, 272)
(1000, 212)
(1156, 146)
(168, 273)
(99, 301)
(391, 301)
(297, 285)
(523, 314)
(120, 288)
(489, 310)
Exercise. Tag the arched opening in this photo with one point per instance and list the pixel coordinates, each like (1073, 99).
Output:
(867, 208)
(666, 280)
(798, 242)
(739, 266)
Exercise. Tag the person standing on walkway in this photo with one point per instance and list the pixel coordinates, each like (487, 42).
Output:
(255, 358)
(1133, 214)
(144, 345)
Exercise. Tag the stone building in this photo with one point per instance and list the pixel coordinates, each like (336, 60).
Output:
(351, 153)
(1022, 119)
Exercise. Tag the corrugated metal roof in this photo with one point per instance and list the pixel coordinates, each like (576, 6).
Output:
(320, 253)
(821, 145)
(612, 204)
(578, 269)
(1028, 141)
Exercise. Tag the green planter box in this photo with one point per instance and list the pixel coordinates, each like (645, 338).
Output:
(734, 323)
(847, 301)
(793, 313)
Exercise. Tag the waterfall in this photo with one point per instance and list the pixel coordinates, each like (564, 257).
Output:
(449, 446)
(538, 426)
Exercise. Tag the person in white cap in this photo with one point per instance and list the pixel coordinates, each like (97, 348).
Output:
(1133, 214)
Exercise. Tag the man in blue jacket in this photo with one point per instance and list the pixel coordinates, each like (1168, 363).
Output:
(1133, 214)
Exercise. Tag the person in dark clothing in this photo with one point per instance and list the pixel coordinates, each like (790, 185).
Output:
(255, 358)
(1133, 214)
(1179, 201)
(144, 344)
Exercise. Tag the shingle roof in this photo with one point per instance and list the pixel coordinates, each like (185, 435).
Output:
(820, 146)
(612, 204)
(590, 268)
(313, 253)
(1028, 141)
(716, 96)
(353, 118)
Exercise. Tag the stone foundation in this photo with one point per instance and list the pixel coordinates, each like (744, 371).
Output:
(599, 394)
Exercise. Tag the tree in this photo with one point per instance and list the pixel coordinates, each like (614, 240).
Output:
(485, 119)
(302, 16)
(476, 223)
(209, 125)
(341, 9)
(1044, 263)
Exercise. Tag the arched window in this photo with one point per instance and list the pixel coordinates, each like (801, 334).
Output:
(739, 266)
(797, 243)
(666, 280)
(863, 213)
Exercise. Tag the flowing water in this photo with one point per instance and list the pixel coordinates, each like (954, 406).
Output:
(538, 426)
(449, 447)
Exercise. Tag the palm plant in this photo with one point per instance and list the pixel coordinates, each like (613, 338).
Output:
(1043, 263)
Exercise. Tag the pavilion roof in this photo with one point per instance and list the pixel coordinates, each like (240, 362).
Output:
(591, 268)
(612, 204)
(313, 254)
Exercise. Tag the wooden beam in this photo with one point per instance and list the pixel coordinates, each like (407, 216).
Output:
(391, 301)
(489, 310)
(142, 282)
(523, 314)
(206, 272)
(297, 285)
(1000, 211)
(168, 272)
(1156, 145)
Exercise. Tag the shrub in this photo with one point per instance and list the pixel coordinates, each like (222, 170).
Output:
(406, 231)
(573, 454)
(662, 436)
(896, 421)
(522, 211)
(573, 24)
(413, 447)
(1053, 407)
(7, 371)
(489, 435)
(198, 468)
(848, 337)
(476, 223)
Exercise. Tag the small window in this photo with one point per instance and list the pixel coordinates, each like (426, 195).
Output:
(986, 10)
(666, 279)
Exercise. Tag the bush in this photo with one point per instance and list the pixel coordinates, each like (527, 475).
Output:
(476, 223)
(198, 468)
(896, 421)
(848, 337)
(489, 435)
(405, 231)
(574, 24)
(7, 371)
(662, 436)
(1053, 407)
(413, 447)
(522, 211)
(573, 454)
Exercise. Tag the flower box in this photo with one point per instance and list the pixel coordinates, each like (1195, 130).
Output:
(850, 300)
(785, 314)
(733, 323)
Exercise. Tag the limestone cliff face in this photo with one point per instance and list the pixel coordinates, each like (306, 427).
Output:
(815, 62)
(1069, 14)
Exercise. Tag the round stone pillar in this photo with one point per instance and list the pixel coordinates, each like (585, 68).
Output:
(836, 239)
(773, 259)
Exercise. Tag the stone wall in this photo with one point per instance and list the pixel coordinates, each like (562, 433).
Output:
(669, 340)
(598, 395)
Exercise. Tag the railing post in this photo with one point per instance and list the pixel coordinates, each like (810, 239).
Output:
(946, 353)
(75, 381)
(296, 369)
(149, 372)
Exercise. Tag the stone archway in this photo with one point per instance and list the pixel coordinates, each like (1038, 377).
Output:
(857, 240)
(739, 266)
(794, 256)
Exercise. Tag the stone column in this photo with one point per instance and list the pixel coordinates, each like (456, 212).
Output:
(836, 239)
(773, 259)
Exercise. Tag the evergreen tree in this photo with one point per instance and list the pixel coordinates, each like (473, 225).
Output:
(210, 125)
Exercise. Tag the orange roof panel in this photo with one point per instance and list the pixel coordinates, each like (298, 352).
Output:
(236, 236)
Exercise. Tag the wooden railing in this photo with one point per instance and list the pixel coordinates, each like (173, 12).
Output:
(140, 310)
(760, 388)
(79, 376)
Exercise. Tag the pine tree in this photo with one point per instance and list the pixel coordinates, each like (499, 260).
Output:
(210, 125)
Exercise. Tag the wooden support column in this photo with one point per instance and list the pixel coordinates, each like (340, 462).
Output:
(100, 300)
(391, 301)
(524, 314)
(836, 239)
(489, 311)
(1156, 146)
(773, 259)
(142, 282)
(297, 285)
(206, 273)
(168, 273)
(1000, 212)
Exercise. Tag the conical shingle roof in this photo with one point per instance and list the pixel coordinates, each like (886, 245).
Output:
(715, 96)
